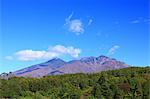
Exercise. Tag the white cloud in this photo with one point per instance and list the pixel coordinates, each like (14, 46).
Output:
(90, 22)
(74, 52)
(52, 52)
(27, 55)
(74, 25)
(112, 50)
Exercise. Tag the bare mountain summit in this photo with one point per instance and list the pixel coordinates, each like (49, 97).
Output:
(84, 65)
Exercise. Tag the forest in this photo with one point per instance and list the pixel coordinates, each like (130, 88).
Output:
(127, 83)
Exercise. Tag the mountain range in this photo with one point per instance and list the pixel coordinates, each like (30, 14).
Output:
(58, 66)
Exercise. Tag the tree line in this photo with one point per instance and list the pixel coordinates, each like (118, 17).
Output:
(128, 83)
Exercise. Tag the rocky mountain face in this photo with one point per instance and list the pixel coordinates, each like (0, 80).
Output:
(57, 66)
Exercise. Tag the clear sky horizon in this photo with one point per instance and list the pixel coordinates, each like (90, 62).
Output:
(34, 31)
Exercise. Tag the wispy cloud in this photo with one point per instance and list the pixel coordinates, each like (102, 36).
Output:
(76, 25)
(52, 52)
(135, 21)
(90, 22)
(140, 20)
(112, 50)
(68, 19)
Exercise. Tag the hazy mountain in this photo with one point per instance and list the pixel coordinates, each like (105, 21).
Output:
(84, 65)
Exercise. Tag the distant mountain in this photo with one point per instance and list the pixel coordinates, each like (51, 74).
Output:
(57, 66)
(42, 69)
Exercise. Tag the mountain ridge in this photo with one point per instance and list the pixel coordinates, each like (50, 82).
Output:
(58, 66)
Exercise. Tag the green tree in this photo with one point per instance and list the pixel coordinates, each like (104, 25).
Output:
(146, 90)
(138, 91)
(117, 92)
(105, 86)
(96, 92)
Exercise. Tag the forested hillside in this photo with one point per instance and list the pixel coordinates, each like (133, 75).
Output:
(128, 83)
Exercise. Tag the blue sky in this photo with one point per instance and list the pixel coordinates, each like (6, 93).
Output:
(33, 31)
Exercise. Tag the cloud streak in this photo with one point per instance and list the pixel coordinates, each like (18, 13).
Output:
(112, 50)
(135, 21)
(90, 22)
(68, 19)
(52, 52)
(140, 20)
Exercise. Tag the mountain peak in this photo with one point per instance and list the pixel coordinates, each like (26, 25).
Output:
(87, 58)
(84, 65)
(92, 59)
(103, 56)
(55, 60)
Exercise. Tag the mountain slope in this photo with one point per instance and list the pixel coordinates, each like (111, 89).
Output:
(90, 65)
(84, 65)
(42, 69)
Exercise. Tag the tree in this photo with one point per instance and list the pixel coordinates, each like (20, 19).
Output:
(138, 91)
(117, 92)
(96, 92)
(105, 86)
(146, 90)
